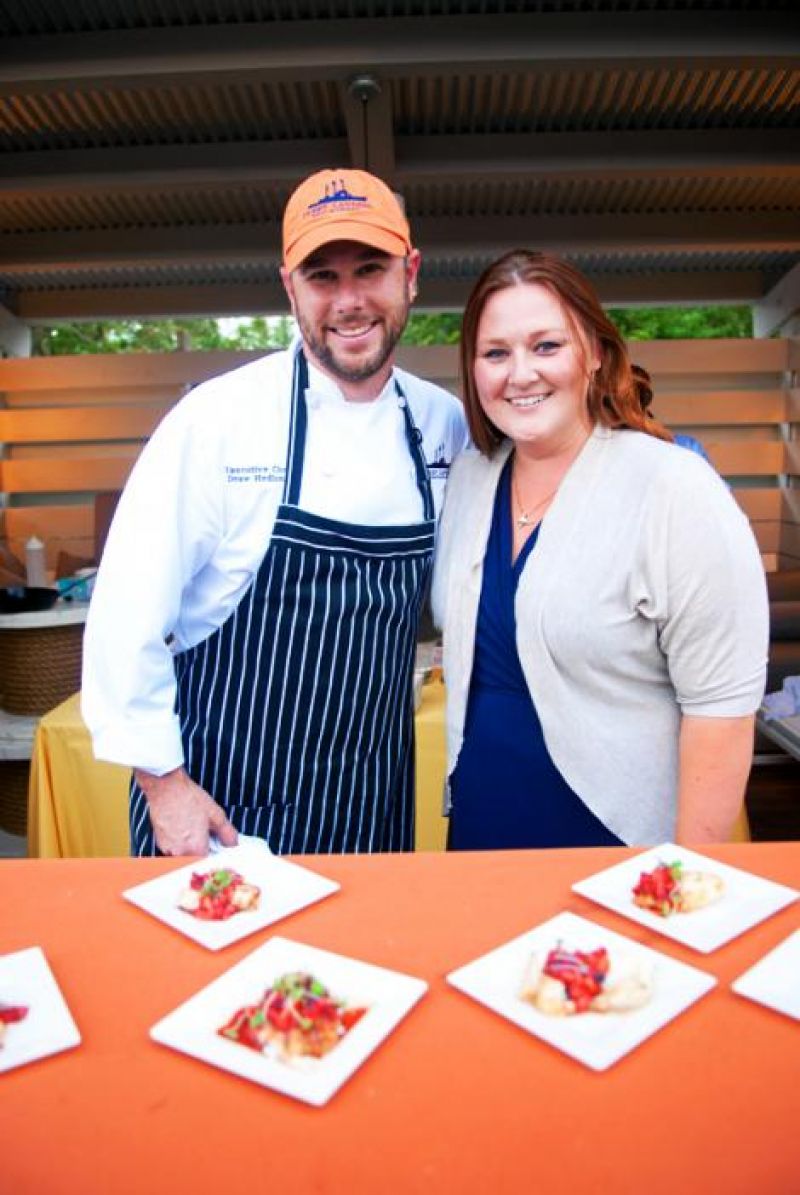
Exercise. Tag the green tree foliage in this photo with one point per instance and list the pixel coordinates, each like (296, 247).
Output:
(635, 323)
(441, 327)
(682, 323)
(162, 336)
(258, 333)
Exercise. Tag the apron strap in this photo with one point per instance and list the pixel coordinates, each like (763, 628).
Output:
(297, 441)
(298, 422)
(414, 441)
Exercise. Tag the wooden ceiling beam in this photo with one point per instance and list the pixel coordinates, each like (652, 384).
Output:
(686, 287)
(467, 236)
(155, 167)
(152, 302)
(407, 46)
(452, 158)
(684, 153)
(673, 233)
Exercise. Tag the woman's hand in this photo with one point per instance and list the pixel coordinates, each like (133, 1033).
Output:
(183, 814)
(715, 759)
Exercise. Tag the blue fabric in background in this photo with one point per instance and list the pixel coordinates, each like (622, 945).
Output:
(692, 444)
(506, 791)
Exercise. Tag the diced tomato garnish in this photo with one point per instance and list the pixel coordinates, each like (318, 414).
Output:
(582, 973)
(351, 1017)
(659, 889)
(11, 1013)
(281, 1018)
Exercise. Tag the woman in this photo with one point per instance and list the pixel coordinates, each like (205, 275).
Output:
(645, 392)
(602, 597)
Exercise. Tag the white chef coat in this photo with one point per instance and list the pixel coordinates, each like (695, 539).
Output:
(196, 517)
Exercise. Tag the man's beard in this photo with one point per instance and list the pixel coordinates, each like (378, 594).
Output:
(325, 355)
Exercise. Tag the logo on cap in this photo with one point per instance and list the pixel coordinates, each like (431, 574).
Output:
(336, 194)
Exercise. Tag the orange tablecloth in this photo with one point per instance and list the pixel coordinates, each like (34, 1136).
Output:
(457, 1100)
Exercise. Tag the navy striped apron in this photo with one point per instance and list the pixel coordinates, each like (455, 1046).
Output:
(297, 713)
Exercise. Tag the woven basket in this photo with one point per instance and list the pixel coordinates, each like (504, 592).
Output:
(14, 796)
(39, 667)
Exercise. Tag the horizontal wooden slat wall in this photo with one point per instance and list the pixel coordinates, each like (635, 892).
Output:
(73, 426)
(54, 425)
(740, 398)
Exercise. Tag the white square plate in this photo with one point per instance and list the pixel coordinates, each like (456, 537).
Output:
(193, 1027)
(594, 1038)
(26, 978)
(775, 979)
(747, 899)
(285, 888)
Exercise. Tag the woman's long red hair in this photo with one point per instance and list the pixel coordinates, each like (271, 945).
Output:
(614, 395)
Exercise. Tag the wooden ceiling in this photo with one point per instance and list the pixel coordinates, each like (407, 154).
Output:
(149, 145)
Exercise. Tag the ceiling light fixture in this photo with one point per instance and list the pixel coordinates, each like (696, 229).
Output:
(364, 88)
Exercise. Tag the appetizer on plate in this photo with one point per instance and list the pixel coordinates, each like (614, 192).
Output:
(671, 888)
(217, 895)
(9, 1015)
(564, 982)
(296, 1017)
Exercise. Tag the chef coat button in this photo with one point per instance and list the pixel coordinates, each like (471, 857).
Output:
(401, 402)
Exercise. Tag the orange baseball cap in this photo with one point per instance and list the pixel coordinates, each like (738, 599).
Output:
(342, 205)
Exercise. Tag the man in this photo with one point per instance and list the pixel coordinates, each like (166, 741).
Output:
(249, 648)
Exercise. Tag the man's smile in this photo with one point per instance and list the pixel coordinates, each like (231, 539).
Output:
(353, 331)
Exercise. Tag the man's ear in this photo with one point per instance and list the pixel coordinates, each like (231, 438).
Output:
(286, 279)
(413, 262)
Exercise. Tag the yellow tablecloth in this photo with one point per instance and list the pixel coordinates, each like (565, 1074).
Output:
(78, 807)
(431, 832)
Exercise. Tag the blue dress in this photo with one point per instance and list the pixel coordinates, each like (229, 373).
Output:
(506, 791)
(692, 443)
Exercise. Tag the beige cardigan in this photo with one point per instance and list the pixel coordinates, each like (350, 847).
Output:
(644, 597)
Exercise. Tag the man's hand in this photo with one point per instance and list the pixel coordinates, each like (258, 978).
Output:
(183, 814)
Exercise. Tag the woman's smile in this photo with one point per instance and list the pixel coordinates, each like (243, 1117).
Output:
(533, 400)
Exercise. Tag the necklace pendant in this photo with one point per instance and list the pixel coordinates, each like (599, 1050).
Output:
(524, 520)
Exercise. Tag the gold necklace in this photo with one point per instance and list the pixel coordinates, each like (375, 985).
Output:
(525, 517)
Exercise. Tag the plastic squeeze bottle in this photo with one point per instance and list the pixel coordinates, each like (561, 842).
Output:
(35, 563)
